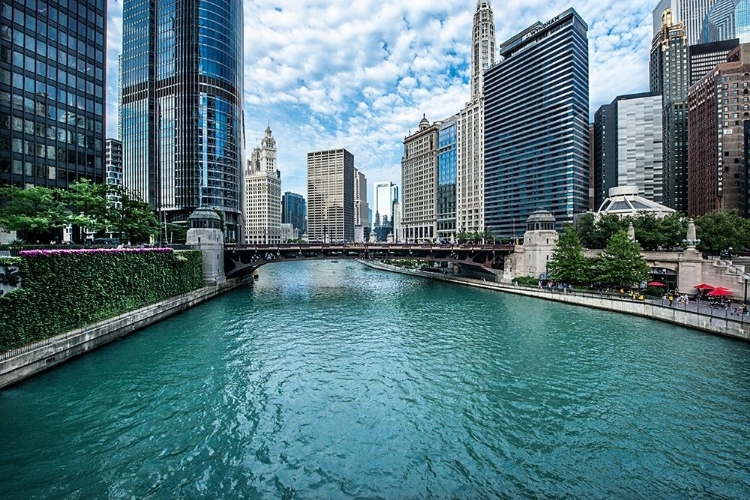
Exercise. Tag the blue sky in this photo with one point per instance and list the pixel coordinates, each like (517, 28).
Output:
(359, 74)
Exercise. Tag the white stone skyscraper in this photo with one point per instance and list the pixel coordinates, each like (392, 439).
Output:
(263, 194)
(470, 126)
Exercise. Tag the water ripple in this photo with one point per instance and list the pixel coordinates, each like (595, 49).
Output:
(329, 380)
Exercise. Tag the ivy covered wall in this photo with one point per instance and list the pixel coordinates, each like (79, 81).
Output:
(66, 289)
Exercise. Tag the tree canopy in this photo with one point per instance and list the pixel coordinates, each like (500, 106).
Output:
(83, 204)
(621, 263)
(720, 230)
(568, 263)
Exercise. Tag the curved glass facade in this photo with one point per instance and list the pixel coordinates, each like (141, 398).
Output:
(446, 189)
(182, 105)
(727, 19)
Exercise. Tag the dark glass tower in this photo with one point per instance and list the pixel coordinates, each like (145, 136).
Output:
(669, 76)
(536, 131)
(294, 211)
(52, 71)
(182, 122)
(446, 189)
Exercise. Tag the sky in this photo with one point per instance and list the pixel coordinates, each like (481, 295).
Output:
(328, 74)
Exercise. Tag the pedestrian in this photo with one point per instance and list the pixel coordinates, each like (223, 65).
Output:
(671, 298)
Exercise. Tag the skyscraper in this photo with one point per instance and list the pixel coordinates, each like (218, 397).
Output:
(263, 194)
(690, 12)
(669, 76)
(419, 174)
(725, 20)
(361, 208)
(470, 126)
(446, 178)
(52, 67)
(536, 125)
(182, 122)
(628, 146)
(294, 211)
(330, 195)
(705, 56)
(113, 165)
(720, 141)
(385, 194)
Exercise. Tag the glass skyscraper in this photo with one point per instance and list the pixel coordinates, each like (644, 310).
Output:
(294, 211)
(182, 122)
(446, 186)
(52, 70)
(536, 132)
(727, 19)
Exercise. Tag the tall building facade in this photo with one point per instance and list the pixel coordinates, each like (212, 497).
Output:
(361, 208)
(727, 19)
(263, 194)
(330, 196)
(294, 211)
(628, 146)
(446, 180)
(470, 126)
(692, 13)
(705, 56)
(113, 166)
(52, 97)
(182, 121)
(536, 125)
(385, 194)
(669, 76)
(719, 121)
(419, 175)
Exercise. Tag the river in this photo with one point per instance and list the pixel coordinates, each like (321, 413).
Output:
(334, 380)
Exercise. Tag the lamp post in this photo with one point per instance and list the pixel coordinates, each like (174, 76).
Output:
(746, 278)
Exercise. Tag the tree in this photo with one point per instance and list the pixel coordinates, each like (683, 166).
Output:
(586, 227)
(87, 205)
(720, 230)
(621, 263)
(674, 230)
(567, 263)
(35, 210)
(488, 236)
(462, 236)
(607, 226)
(134, 220)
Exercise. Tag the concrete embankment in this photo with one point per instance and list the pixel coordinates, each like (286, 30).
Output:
(20, 364)
(719, 324)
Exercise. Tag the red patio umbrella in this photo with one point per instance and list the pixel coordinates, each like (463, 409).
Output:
(655, 283)
(720, 292)
(704, 286)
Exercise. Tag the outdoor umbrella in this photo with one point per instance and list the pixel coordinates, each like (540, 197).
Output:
(704, 286)
(655, 283)
(719, 292)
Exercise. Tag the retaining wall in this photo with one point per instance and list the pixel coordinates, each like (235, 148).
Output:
(725, 326)
(19, 364)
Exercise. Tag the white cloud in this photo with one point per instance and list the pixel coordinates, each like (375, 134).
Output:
(360, 75)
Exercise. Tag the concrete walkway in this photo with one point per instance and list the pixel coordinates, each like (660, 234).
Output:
(694, 315)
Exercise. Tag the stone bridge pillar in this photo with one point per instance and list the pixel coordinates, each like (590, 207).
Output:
(205, 235)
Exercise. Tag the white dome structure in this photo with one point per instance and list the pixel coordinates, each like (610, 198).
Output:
(624, 201)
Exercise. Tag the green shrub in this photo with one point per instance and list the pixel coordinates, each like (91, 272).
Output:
(65, 290)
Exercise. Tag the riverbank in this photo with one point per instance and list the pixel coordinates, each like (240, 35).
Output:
(720, 323)
(19, 364)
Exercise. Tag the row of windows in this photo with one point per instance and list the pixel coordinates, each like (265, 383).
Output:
(42, 109)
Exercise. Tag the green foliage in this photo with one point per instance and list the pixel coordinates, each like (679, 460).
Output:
(527, 280)
(567, 263)
(586, 227)
(134, 221)
(35, 209)
(462, 236)
(621, 263)
(720, 230)
(65, 291)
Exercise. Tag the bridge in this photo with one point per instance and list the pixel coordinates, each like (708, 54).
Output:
(240, 260)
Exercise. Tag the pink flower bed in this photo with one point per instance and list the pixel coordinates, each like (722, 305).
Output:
(52, 253)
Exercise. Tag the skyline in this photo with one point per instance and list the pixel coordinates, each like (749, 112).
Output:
(331, 74)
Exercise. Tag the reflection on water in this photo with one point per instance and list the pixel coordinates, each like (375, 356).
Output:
(332, 380)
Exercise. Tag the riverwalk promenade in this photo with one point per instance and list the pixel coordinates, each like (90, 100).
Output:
(697, 315)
